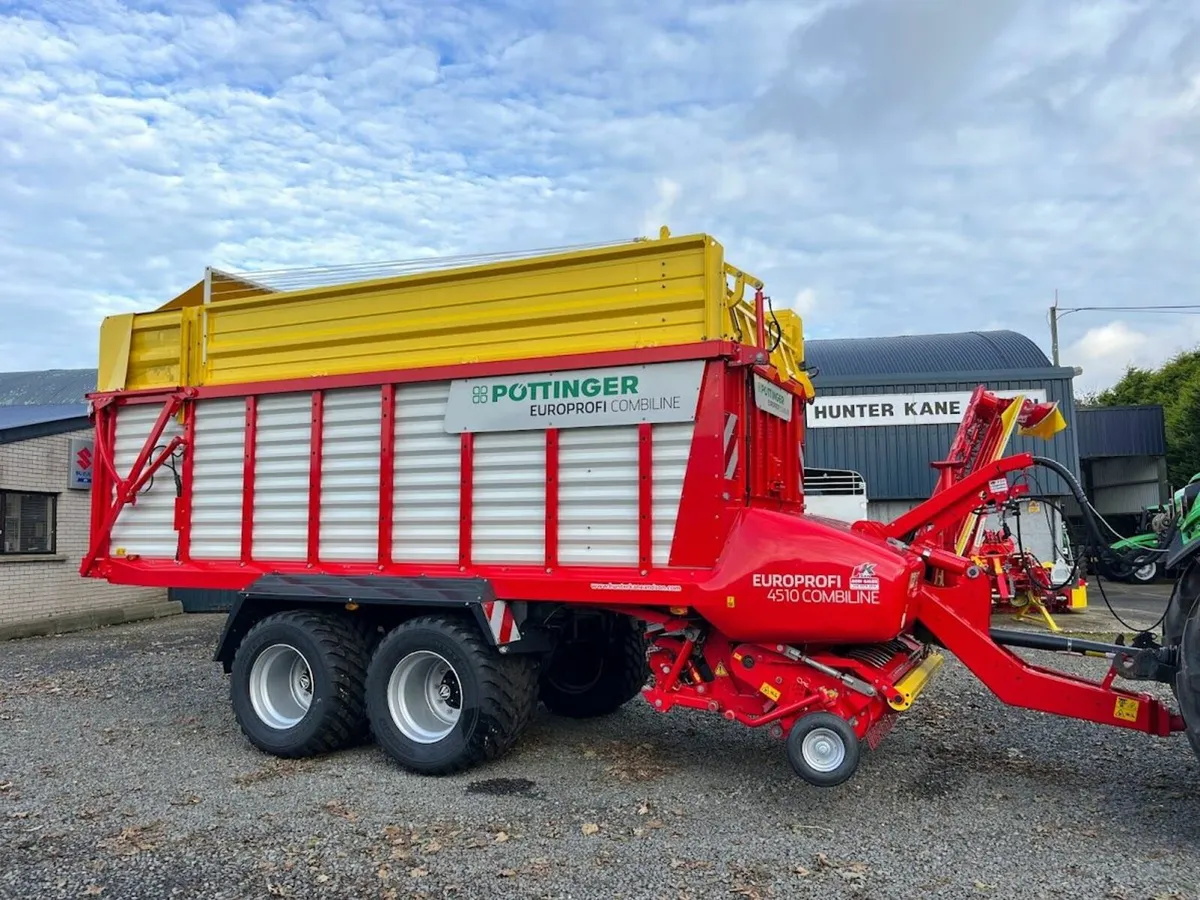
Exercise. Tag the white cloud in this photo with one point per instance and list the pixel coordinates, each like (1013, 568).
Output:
(892, 166)
(666, 196)
(1104, 352)
(805, 302)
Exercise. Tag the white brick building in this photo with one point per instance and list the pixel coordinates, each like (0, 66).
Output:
(44, 529)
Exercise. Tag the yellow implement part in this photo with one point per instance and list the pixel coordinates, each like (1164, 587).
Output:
(1036, 604)
(910, 686)
(641, 294)
(1077, 599)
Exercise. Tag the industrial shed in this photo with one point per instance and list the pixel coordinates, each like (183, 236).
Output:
(887, 407)
(1123, 461)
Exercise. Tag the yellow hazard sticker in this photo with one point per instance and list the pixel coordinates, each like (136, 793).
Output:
(771, 692)
(737, 657)
(731, 602)
(1126, 709)
(721, 670)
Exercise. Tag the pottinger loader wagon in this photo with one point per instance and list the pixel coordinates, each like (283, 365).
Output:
(573, 478)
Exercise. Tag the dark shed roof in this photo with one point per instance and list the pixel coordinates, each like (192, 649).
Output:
(23, 423)
(55, 386)
(1121, 431)
(924, 354)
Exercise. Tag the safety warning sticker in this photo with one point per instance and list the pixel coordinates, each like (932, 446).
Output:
(1126, 709)
(769, 691)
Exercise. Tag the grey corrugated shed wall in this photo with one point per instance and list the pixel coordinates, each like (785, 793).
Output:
(1121, 431)
(895, 459)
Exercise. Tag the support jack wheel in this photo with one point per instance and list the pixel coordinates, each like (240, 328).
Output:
(823, 749)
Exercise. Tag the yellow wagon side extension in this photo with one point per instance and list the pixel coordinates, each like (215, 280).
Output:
(645, 293)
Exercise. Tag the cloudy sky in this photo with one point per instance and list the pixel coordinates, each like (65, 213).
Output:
(888, 166)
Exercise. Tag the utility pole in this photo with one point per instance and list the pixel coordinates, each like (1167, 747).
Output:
(1054, 328)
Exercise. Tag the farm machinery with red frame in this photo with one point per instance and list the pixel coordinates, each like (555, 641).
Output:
(1021, 582)
(430, 530)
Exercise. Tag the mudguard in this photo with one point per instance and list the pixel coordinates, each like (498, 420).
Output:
(384, 598)
(1179, 551)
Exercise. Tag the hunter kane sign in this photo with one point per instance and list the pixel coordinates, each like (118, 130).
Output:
(625, 395)
(867, 410)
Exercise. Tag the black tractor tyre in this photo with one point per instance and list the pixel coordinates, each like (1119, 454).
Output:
(1187, 679)
(298, 684)
(475, 710)
(1181, 609)
(597, 673)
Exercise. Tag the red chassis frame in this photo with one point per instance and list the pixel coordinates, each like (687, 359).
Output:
(695, 664)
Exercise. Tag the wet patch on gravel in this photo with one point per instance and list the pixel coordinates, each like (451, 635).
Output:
(503, 787)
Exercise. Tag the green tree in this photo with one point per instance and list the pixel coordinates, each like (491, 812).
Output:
(1176, 388)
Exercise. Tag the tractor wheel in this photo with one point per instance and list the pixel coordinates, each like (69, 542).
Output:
(1146, 574)
(297, 684)
(596, 670)
(442, 700)
(823, 749)
(1182, 604)
(1181, 626)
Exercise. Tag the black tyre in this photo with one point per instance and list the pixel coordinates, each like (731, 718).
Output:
(823, 749)
(597, 667)
(1187, 680)
(298, 684)
(1181, 609)
(1184, 595)
(442, 700)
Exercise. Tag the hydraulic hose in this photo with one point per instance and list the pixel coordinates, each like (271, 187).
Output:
(1121, 563)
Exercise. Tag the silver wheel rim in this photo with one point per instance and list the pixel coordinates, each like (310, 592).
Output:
(281, 686)
(424, 697)
(1144, 573)
(823, 750)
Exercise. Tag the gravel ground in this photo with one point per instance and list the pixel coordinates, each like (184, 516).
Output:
(123, 775)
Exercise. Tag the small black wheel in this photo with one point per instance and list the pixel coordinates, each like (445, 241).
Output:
(823, 749)
(597, 667)
(297, 684)
(1144, 574)
(442, 700)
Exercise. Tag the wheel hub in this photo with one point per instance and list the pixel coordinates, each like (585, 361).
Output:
(281, 686)
(823, 750)
(424, 697)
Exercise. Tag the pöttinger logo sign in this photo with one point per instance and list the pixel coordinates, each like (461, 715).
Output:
(625, 395)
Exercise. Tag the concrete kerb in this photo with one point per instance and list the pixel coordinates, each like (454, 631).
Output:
(94, 618)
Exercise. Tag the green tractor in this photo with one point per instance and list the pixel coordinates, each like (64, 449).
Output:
(1148, 547)
(1146, 556)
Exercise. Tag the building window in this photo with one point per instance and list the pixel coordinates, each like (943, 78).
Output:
(27, 523)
